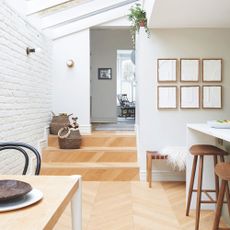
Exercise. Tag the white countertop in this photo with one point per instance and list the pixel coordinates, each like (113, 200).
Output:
(223, 134)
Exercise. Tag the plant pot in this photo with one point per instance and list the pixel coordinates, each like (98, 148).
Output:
(142, 23)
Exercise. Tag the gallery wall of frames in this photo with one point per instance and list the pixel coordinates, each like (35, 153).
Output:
(189, 83)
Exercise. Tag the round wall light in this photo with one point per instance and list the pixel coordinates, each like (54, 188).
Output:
(70, 63)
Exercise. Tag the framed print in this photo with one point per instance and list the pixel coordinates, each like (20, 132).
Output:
(212, 70)
(212, 97)
(166, 97)
(167, 70)
(190, 97)
(104, 73)
(189, 70)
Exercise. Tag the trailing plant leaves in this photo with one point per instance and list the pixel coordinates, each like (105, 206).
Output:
(137, 17)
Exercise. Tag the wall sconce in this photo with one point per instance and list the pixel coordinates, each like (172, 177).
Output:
(32, 50)
(70, 63)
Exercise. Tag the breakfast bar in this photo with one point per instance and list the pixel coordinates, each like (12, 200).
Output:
(204, 134)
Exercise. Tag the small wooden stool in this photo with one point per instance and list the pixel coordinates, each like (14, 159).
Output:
(223, 171)
(152, 155)
(201, 151)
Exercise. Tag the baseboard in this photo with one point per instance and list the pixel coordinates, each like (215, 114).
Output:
(104, 119)
(43, 143)
(87, 129)
(163, 175)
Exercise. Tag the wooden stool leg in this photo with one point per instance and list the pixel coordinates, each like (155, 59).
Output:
(199, 189)
(219, 206)
(228, 198)
(227, 189)
(191, 184)
(149, 169)
(221, 158)
(216, 178)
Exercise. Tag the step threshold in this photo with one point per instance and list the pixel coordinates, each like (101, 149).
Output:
(106, 134)
(103, 165)
(94, 149)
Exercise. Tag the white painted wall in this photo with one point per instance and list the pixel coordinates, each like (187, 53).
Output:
(158, 129)
(25, 81)
(25, 85)
(104, 46)
(71, 86)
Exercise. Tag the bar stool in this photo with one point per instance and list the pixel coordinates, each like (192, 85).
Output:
(201, 151)
(223, 172)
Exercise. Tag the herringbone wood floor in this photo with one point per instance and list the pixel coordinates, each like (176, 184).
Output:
(132, 205)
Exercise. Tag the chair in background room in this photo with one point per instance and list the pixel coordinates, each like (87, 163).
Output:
(127, 107)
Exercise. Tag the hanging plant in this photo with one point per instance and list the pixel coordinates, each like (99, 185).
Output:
(137, 17)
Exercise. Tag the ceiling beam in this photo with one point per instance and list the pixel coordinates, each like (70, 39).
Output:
(82, 12)
(36, 6)
(89, 22)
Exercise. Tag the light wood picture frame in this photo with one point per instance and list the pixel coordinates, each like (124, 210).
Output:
(212, 69)
(167, 97)
(166, 70)
(190, 97)
(189, 70)
(212, 97)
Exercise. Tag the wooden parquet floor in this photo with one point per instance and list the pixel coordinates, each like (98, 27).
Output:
(133, 206)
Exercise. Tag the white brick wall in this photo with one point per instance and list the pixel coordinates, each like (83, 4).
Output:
(25, 81)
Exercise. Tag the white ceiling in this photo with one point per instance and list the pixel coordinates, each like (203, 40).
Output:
(190, 13)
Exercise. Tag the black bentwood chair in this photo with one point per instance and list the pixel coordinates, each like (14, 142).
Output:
(24, 149)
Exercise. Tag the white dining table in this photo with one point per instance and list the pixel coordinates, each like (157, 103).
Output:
(58, 192)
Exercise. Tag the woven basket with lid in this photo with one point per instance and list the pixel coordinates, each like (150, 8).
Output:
(59, 122)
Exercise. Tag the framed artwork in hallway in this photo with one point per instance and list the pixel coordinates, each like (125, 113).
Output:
(166, 70)
(189, 69)
(104, 73)
(166, 97)
(212, 69)
(190, 97)
(212, 97)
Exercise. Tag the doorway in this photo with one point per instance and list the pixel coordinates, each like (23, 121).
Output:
(126, 87)
(108, 47)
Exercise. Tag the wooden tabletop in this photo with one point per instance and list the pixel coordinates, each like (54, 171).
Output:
(57, 193)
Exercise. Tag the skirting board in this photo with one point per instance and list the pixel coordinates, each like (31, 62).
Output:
(43, 142)
(163, 175)
(104, 119)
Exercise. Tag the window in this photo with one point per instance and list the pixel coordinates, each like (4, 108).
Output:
(126, 81)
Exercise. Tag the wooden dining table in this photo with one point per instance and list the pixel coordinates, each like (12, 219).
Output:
(57, 191)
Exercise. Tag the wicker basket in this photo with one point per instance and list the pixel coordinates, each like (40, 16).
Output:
(69, 138)
(59, 122)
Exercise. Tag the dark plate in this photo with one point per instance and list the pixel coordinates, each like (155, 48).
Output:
(12, 189)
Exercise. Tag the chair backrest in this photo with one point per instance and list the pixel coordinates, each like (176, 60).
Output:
(23, 148)
(123, 99)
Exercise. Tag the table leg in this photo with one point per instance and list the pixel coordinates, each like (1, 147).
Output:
(76, 208)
